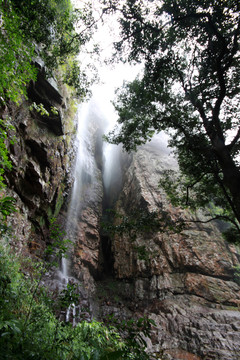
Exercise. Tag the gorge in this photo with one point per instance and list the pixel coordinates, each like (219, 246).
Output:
(185, 281)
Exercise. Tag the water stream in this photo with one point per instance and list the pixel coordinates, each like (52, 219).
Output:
(97, 170)
(83, 175)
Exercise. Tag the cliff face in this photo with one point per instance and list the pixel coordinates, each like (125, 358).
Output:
(40, 164)
(184, 282)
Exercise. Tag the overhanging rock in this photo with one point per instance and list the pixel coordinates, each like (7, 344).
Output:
(43, 92)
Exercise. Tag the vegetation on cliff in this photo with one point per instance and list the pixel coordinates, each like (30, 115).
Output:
(29, 328)
(44, 31)
(37, 36)
(190, 88)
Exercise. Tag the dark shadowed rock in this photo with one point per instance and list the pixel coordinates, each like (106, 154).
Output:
(41, 160)
(43, 92)
(184, 282)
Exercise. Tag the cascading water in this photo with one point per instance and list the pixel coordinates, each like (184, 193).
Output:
(97, 167)
(112, 169)
(84, 166)
(83, 175)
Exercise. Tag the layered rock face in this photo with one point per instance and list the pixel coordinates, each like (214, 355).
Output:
(184, 282)
(40, 164)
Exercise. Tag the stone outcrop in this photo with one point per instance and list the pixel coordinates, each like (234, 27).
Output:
(184, 282)
(40, 156)
(43, 91)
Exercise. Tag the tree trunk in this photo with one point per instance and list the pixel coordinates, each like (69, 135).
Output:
(231, 174)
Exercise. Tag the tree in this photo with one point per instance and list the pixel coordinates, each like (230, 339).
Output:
(50, 30)
(190, 87)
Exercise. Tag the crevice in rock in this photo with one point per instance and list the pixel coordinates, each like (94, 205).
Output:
(38, 151)
(198, 271)
(98, 153)
(107, 255)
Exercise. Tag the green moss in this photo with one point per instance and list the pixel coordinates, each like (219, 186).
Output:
(59, 202)
(142, 253)
(41, 222)
(236, 275)
(49, 212)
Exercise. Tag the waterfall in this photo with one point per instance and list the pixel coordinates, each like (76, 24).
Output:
(84, 167)
(112, 169)
(98, 167)
(83, 175)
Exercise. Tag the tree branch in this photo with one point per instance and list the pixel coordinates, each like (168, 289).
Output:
(217, 217)
(191, 186)
(210, 22)
(235, 140)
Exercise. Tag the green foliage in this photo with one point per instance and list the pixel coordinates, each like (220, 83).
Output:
(58, 244)
(77, 79)
(142, 252)
(140, 222)
(17, 53)
(135, 332)
(187, 192)
(6, 202)
(41, 109)
(7, 207)
(44, 29)
(232, 235)
(29, 328)
(189, 88)
(6, 134)
(68, 296)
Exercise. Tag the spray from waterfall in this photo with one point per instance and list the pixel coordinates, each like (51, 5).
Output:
(112, 170)
(97, 116)
(83, 174)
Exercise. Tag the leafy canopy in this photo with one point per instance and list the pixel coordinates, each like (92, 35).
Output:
(189, 87)
(38, 29)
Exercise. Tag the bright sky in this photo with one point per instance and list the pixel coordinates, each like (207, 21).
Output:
(111, 76)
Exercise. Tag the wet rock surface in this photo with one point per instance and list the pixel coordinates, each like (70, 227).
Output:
(43, 91)
(184, 282)
(41, 161)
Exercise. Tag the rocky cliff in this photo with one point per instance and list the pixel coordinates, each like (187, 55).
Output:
(40, 174)
(183, 281)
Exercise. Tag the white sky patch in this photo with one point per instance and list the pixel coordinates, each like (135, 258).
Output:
(108, 31)
(111, 76)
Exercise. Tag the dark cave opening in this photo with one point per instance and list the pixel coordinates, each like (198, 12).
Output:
(107, 255)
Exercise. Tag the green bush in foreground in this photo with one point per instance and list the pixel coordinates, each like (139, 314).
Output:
(29, 328)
